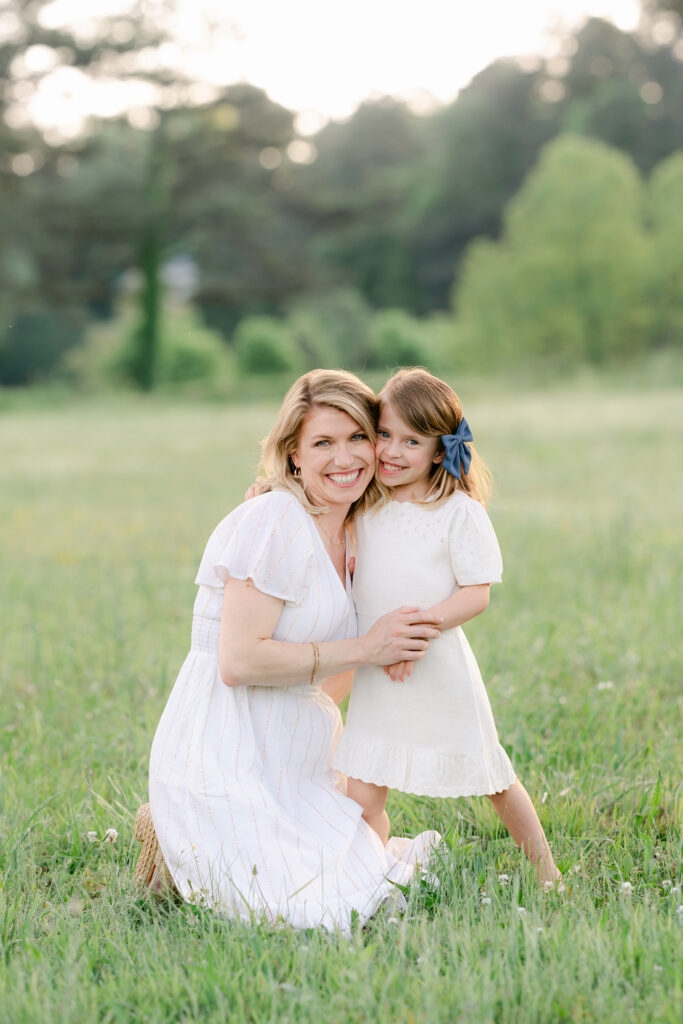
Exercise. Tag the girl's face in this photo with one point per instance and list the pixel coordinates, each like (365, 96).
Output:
(335, 456)
(405, 458)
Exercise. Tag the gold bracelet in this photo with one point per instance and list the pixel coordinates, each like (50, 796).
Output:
(316, 664)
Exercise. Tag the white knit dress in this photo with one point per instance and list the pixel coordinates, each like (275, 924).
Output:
(251, 818)
(432, 734)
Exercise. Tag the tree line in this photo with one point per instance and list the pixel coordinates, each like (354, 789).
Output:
(541, 207)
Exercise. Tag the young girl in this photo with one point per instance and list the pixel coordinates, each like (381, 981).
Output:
(428, 728)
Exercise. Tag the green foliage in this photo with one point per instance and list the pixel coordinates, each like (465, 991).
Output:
(344, 318)
(568, 280)
(190, 353)
(395, 340)
(264, 345)
(665, 195)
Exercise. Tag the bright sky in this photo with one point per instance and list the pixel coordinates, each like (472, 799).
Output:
(324, 58)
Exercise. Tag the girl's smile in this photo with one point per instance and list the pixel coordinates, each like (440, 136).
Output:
(405, 458)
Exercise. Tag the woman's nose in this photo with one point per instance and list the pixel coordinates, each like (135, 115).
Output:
(343, 456)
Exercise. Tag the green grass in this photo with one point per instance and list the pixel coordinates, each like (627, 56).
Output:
(104, 512)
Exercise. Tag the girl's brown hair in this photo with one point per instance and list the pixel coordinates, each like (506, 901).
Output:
(431, 408)
(333, 389)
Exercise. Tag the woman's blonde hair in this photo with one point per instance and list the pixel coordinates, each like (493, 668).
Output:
(331, 389)
(431, 408)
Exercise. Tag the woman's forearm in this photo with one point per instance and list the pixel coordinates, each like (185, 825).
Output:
(271, 662)
(249, 656)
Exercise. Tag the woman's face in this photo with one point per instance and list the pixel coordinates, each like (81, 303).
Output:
(336, 457)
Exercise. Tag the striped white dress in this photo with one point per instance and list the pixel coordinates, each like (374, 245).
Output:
(251, 818)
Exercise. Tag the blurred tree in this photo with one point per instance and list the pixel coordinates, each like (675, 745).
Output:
(355, 197)
(47, 281)
(622, 88)
(665, 208)
(568, 278)
(264, 345)
(480, 148)
(229, 206)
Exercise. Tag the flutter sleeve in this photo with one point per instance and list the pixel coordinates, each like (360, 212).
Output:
(475, 554)
(267, 540)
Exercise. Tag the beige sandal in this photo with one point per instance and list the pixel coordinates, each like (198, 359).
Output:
(151, 871)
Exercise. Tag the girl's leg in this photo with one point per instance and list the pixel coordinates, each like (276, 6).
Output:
(516, 811)
(373, 800)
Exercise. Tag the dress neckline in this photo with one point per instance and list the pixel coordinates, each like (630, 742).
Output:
(326, 555)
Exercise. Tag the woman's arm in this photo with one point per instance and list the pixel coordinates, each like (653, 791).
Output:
(248, 655)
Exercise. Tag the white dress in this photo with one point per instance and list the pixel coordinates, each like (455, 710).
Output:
(432, 734)
(251, 818)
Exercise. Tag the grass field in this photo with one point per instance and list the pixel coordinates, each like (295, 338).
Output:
(104, 512)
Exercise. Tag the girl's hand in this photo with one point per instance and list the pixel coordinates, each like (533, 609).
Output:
(260, 487)
(403, 635)
(400, 671)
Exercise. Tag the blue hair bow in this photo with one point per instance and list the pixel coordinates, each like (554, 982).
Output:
(457, 451)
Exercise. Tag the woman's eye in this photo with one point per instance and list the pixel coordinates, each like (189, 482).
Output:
(359, 437)
(319, 444)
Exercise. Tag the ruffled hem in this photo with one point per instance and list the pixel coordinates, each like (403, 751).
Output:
(425, 772)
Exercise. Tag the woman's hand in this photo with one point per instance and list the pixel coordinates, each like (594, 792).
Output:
(402, 635)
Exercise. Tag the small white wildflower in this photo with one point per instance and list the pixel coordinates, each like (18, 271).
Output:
(679, 910)
(540, 929)
(606, 685)
(111, 835)
(419, 960)
(626, 888)
(485, 901)
(657, 968)
(563, 792)
(577, 869)
(392, 920)
(503, 879)
(521, 910)
(666, 884)
(675, 889)
(562, 700)
(92, 837)
(544, 797)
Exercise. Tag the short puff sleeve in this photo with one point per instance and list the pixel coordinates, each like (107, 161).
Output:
(267, 540)
(475, 554)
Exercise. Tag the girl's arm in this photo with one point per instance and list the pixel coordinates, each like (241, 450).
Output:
(460, 607)
(248, 655)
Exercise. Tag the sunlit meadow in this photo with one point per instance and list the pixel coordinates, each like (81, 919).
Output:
(104, 511)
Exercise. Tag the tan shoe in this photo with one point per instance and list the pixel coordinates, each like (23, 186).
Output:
(150, 870)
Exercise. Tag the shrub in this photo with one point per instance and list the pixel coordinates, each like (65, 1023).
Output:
(395, 340)
(264, 345)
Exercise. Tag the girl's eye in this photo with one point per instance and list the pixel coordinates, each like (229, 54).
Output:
(411, 440)
(383, 433)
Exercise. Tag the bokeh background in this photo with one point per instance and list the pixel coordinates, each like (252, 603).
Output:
(167, 222)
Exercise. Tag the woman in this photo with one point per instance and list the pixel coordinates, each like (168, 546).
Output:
(250, 817)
